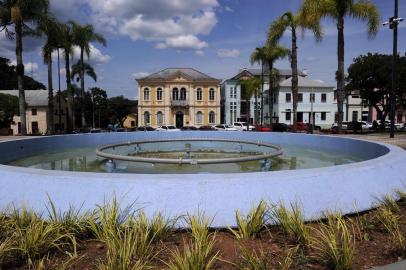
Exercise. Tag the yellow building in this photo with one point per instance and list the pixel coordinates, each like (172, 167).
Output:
(179, 97)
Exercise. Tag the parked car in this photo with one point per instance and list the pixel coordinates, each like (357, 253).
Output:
(280, 127)
(260, 128)
(187, 128)
(242, 126)
(224, 127)
(95, 130)
(334, 126)
(207, 128)
(300, 126)
(145, 129)
(167, 128)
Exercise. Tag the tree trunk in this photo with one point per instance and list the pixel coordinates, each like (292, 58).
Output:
(295, 79)
(340, 73)
(71, 114)
(256, 107)
(270, 94)
(20, 76)
(248, 116)
(50, 115)
(82, 88)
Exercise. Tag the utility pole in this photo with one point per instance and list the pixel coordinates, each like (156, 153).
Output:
(393, 24)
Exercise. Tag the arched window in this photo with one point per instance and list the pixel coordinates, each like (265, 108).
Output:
(175, 94)
(199, 94)
(199, 118)
(146, 93)
(183, 94)
(212, 117)
(212, 94)
(147, 118)
(159, 118)
(159, 94)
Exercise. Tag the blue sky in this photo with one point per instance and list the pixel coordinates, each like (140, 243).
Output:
(213, 36)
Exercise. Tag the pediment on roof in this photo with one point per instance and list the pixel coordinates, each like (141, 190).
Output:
(243, 75)
(180, 76)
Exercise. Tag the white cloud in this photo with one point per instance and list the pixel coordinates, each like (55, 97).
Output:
(227, 8)
(139, 75)
(96, 56)
(158, 21)
(183, 42)
(200, 52)
(228, 53)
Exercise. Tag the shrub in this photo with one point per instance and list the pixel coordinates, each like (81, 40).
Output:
(391, 223)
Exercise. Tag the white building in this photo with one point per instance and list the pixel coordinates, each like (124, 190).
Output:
(315, 98)
(233, 107)
(37, 111)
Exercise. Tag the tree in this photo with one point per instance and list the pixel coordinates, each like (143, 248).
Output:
(8, 77)
(363, 10)
(22, 14)
(99, 104)
(67, 46)
(82, 37)
(269, 54)
(249, 88)
(50, 29)
(371, 75)
(8, 108)
(119, 108)
(258, 56)
(292, 22)
(79, 69)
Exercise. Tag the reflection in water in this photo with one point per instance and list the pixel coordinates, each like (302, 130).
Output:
(85, 160)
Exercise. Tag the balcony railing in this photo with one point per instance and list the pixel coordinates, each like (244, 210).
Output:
(180, 103)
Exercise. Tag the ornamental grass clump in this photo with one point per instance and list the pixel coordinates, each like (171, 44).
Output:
(261, 260)
(72, 221)
(292, 223)
(250, 226)
(197, 254)
(387, 201)
(128, 249)
(158, 227)
(333, 243)
(391, 224)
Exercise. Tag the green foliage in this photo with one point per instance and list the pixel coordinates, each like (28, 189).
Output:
(261, 260)
(334, 243)
(387, 201)
(391, 224)
(292, 223)
(8, 77)
(251, 225)
(8, 109)
(371, 75)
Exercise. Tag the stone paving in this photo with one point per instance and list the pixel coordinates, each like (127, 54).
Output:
(399, 140)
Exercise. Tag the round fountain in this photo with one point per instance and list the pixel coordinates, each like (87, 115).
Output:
(215, 172)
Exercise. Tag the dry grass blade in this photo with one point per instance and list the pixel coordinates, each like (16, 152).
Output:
(391, 224)
(389, 202)
(251, 226)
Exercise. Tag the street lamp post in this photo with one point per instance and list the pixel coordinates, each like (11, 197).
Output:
(393, 24)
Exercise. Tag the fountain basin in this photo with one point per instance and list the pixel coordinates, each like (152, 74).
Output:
(340, 187)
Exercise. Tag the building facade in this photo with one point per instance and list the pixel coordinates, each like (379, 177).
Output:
(179, 97)
(316, 103)
(37, 112)
(234, 108)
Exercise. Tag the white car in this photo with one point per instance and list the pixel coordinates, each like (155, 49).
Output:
(168, 128)
(242, 126)
(225, 128)
(387, 124)
(366, 125)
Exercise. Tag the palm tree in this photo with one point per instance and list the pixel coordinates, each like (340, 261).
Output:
(276, 30)
(88, 70)
(249, 87)
(258, 56)
(82, 37)
(22, 14)
(67, 46)
(270, 54)
(363, 10)
(50, 29)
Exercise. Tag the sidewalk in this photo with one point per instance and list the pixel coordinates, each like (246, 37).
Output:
(394, 266)
(399, 140)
